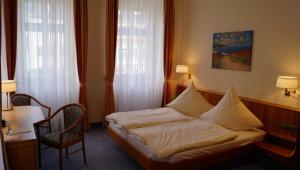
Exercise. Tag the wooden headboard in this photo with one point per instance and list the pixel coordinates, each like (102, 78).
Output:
(274, 117)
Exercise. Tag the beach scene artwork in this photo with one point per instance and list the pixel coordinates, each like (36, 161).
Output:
(232, 50)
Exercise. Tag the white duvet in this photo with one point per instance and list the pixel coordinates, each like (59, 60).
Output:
(168, 139)
(145, 118)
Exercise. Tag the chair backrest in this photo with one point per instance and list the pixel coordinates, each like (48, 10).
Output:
(21, 100)
(72, 113)
(27, 100)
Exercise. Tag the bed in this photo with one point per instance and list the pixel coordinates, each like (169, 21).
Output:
(241, 146)
(243, 138)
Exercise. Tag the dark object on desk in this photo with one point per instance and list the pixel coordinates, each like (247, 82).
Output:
(72, 134)
(3, 123)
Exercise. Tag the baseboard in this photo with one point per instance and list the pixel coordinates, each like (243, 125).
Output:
(96, 124)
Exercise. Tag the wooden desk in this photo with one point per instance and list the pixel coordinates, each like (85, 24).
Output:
(22, 153)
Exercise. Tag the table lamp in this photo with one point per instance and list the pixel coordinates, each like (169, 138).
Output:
(183, 69)
(287, 83)
(7, 87)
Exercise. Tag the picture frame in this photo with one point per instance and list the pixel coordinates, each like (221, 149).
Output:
(232, 50)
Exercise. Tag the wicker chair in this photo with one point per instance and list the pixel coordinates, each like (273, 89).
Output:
(27, 100)
(72, 133)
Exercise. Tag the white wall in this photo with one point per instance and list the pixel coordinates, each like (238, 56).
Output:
(276, 49)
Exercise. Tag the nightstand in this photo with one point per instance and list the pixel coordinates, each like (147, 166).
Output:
(281, 146)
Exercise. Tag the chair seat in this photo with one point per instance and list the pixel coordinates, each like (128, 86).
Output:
(53, 138)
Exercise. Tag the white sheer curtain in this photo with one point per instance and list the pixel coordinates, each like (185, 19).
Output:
(46, 57)
(3, 56)
(138, 82)
(3, 48)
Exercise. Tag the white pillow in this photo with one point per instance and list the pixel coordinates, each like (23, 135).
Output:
(231, 113)
(190, 102)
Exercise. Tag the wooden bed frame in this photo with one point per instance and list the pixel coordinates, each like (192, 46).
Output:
(272, 115)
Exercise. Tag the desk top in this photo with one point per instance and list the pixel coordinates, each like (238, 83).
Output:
(23, 117)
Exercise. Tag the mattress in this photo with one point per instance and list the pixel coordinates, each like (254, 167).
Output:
(244, 138)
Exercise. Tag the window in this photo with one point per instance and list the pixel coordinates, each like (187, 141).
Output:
(138, 82)
(46, 58)
(40, 30)
(131, 39)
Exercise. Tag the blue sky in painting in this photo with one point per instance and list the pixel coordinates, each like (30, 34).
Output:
(236, 39)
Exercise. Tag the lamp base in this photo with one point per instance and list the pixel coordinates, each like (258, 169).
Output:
(288, 92)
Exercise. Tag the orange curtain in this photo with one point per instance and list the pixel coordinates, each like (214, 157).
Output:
(111, 45)
(81, 37)
(0, 38)
(0, 35)
(168, 48)
(10, 23)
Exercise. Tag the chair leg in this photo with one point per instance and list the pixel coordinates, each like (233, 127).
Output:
(67, 153)
(60, 159)
(83, 151)
(39, 155)
(49, 129)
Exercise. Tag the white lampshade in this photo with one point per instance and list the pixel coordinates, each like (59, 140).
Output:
(287, 82)
(182, 69)
(8, 86)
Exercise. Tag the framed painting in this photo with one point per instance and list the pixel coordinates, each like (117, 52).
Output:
(232, 50)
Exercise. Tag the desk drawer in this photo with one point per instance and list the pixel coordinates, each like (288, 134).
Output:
(22, 155)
